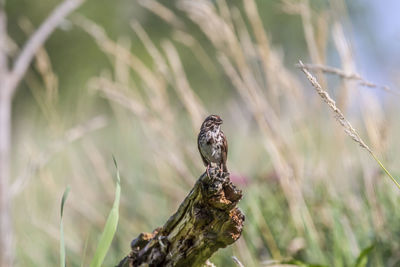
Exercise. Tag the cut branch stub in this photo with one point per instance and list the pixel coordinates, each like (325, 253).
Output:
(206, 220)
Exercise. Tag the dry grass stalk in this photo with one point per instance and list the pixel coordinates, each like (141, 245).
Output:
(163, 12)
(196, 48)
(161, 65)
(316, 44)
(175, 75)
(376, 124)
(350, 76)
(303, 9)
(122, 70)
(348, 128)
(345, 51)
(179, 34)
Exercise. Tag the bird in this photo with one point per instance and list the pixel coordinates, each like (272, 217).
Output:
(212, 143)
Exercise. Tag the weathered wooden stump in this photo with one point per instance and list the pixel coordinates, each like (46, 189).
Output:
(206, 220)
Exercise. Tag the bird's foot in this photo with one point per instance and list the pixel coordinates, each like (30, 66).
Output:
(208, 171)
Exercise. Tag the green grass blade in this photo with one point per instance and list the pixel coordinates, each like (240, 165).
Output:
(85, 250)
(294, 263)
(386, 171)
(110, 227)
(362, 259)
(62, 243)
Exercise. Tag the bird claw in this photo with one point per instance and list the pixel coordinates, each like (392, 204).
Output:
(216, 172)
(208, 171)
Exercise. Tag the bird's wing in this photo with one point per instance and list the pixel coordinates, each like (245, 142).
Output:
(201, 154)
(224, 151)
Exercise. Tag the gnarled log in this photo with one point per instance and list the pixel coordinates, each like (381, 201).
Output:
(206, 220)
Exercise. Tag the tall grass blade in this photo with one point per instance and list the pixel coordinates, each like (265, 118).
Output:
(110, 227)
(293, 262)
(85, 251)
(386, 171)
(362, 259)
(62, 243)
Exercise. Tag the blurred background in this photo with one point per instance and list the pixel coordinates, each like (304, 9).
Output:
(135, 79)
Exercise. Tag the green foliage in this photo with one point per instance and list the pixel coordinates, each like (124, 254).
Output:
(362, 259)
(62, 243)
(295, 263)
(110, 227)
(303, 264)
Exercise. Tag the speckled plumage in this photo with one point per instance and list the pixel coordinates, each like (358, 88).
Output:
(212, 143)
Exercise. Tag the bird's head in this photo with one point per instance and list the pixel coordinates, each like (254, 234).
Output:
(212, 121)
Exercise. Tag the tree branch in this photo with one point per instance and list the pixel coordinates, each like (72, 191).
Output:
(206, 220)
(37, 39)
(6, 236)
(6, 231)
(3, 41)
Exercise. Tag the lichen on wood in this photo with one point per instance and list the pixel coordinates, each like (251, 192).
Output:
(206, 221)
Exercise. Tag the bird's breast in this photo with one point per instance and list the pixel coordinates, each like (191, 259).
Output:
(211, 146)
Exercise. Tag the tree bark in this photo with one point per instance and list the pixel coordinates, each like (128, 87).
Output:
(206, 220)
